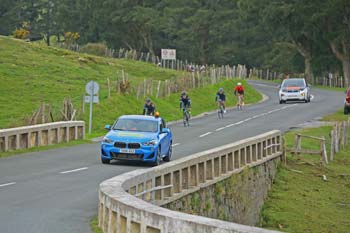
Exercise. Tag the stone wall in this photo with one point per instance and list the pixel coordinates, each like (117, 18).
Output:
(236, 199)
(132, 202)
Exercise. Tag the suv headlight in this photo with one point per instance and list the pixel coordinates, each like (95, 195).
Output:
(106, 140)
(150, 143)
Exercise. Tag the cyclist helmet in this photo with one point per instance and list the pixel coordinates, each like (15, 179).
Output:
(148, 100)
(156, 114)
(183, 93)
(221, 89)
(239, 84)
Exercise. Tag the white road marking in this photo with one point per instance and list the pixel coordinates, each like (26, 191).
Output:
(206, 134)
(248, 119)
(312, 97)
(74, 170)
(7, 184)
(264, 85)
(176, 144)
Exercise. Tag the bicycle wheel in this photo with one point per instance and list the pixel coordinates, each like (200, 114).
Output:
(187, 118)
(220, 112)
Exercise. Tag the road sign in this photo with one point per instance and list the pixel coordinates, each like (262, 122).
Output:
(92, 88)
(95, 99)
(168, 54)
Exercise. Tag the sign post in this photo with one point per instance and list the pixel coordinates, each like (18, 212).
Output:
(92, 90)
(168, 54)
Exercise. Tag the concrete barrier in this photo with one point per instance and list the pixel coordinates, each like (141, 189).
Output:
(131, 202)
(41, 135)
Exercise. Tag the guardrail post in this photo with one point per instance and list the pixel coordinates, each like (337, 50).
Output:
(76, 133)
(39, 137)
(6, 143)
(29, 141)
(17, 146)
(67, 133)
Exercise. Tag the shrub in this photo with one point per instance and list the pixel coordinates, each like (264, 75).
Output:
(21, 33)
(98, 49)
(71, 37)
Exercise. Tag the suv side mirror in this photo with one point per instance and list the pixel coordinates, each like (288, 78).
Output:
(108, 127)
(165, 130)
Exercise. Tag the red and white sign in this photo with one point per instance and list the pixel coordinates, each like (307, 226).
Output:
(168, 54)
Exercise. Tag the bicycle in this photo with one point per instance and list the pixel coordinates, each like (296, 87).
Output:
(240, 102)
(186, 116)
(221, 110)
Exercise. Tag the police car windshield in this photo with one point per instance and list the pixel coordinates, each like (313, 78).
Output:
(136, 125)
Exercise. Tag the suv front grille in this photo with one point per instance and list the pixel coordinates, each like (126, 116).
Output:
(134, 145)
(120, 144)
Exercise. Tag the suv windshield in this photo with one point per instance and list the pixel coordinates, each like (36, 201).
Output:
(136, 125)
(293, 83)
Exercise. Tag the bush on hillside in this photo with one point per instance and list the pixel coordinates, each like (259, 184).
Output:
(71, 38)
(98, 49)
(21, 33)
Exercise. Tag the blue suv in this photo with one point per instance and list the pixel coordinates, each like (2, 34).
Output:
(137, 138)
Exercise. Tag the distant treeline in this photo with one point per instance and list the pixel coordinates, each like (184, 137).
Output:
(312, 37)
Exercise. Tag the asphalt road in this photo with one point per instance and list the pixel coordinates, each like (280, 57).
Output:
(56, 190)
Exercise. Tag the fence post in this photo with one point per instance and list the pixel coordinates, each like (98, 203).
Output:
(332, 146)
(336, 139)
(323, 149)
(298, 143)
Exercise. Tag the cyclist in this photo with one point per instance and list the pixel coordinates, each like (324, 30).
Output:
(239, 89)
(148, 107)
(185, 101)
(220, 98)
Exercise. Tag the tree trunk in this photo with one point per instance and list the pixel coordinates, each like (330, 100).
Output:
(346, 70)
(308, 69)
(307, 61)
(147, 38)
(343, 57)
(48, 38)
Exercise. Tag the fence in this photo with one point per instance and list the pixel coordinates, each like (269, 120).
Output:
(339, 139)
(131, 202)
(41, 135)
(240, 71)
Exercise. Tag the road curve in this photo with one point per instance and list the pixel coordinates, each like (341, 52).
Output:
(56, 190)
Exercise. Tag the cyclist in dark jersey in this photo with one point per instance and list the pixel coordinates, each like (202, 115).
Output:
(148, 108)
(220, 98)
(185, 101)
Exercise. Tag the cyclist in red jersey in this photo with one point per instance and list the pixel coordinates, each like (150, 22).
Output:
(239, 91)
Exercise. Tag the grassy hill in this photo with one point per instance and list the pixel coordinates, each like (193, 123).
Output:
(31, 74)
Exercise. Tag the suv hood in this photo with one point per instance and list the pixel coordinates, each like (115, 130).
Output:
(130, 136)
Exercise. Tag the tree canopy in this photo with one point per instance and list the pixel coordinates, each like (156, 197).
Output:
(291, 36)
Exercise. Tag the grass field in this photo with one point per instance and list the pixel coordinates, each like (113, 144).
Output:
(301, 201)
(31, 74)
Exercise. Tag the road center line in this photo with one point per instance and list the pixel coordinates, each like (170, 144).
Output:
(176, 144)
(206, 134)
(219, 129)
(7, 184)
(74, 170)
